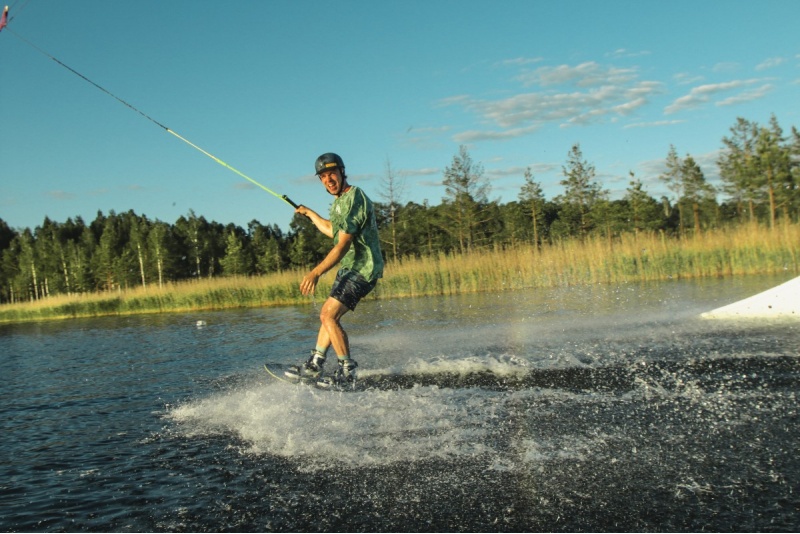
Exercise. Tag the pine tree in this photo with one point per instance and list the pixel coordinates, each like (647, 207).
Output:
(467, 197)
(532, 199)
(581, 194)
(696, 190)
(673, 178)
(737, 168)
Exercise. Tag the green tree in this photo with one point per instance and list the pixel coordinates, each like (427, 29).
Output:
(773, 165)
(50, 256)
(83, 254)
(160, 243)
(194, 232)
(418, 233)
(673, 178)
(532, 200)
(467, 199)
(27, 279)
(581, 195)
(6, 235)
(266, 244)
(236, 260)
(308, 246)
(697, 192)
(794, 163)
(737, 167)
(644, 212)
(138, 232)
(110, 257)
(271, 260)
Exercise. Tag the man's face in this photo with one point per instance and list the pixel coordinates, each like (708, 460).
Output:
(333, 181)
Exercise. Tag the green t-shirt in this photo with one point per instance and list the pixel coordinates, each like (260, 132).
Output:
(352, 213)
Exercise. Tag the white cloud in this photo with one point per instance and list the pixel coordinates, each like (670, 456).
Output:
(58, 194)
(584, 75)
(426, 171)
(471, 136)
(684, 78)
(624, 52)
(592, 93)
(521, 61)
(702, 94)
(747, 96)
(770, 63)
(422, 137)
(725, 66)
(629, 107)
(652, 124)
(529, 110)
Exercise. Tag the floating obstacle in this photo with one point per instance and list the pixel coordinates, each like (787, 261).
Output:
(780, 301)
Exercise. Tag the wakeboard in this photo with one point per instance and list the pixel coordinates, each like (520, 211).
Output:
(327, 384)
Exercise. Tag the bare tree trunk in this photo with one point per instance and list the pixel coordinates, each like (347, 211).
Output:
(141, 264)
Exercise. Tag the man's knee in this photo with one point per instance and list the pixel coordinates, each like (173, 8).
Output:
(325, 317)
(332, 311)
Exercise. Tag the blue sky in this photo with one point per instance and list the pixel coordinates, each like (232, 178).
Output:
(267, 86)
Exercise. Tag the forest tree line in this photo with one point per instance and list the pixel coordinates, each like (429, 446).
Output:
(759, 167)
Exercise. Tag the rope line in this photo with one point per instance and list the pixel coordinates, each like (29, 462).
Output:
(151, 119)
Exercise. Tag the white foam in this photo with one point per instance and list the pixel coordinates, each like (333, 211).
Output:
(503, 365)
(327, 429)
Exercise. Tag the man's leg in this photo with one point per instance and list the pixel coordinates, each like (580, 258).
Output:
(331, 332)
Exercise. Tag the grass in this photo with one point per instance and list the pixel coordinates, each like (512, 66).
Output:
(742, 251)
(745, 250)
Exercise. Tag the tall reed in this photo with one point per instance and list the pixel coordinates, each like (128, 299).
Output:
(748, 249)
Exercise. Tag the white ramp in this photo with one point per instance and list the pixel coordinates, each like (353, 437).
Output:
(780, 301)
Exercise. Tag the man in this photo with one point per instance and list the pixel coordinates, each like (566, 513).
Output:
(356, 245)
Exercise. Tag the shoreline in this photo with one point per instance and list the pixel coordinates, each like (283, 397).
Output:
(741, 251)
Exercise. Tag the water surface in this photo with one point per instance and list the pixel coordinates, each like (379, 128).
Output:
(588, 408)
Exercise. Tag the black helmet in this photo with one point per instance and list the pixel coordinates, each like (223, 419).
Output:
(327, 161)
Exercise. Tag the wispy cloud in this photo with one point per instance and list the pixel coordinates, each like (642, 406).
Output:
(58, 194)
(725, 66)
(770, 63)
(653, 124)
(517, 171)
(425, 171)
(568, 95)
(684, 78)
(747, 96)
(703, 94)
(423, 137)
(521, 61)
(624, 52)
(584, 75)
(471, 136)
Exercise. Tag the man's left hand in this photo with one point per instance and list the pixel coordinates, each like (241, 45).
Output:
(309, 283)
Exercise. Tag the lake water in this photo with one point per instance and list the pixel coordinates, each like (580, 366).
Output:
(588, 408)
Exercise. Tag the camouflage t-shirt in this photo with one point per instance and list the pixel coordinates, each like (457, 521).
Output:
(352, 213)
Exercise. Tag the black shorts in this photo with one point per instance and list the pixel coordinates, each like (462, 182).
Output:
(350, 287)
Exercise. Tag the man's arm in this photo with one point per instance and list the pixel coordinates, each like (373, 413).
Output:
(322, 224)
(336, 254)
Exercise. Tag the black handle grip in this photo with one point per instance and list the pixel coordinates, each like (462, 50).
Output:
(287, 199)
